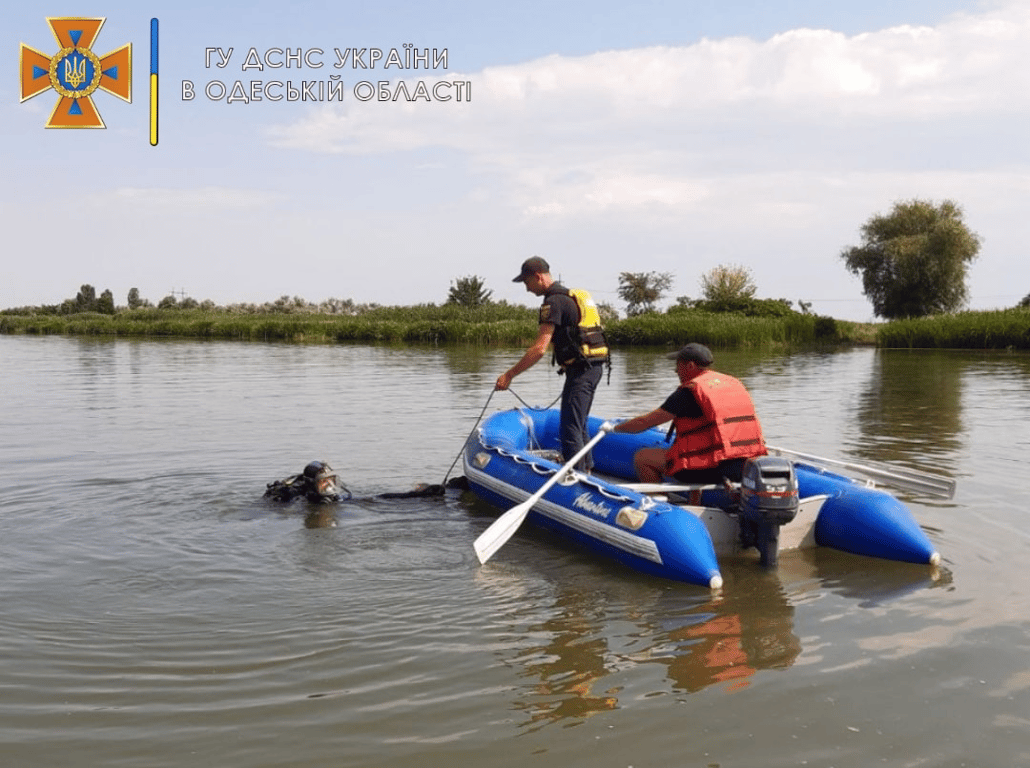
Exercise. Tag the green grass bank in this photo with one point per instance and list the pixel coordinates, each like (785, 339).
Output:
(506, 325)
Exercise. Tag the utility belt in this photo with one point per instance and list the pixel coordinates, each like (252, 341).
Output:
(580, 365)
(577, 367)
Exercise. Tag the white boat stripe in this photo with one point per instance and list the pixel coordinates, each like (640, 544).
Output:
(625, 540)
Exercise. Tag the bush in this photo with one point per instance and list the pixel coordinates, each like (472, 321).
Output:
(743, 306)
(728, 283)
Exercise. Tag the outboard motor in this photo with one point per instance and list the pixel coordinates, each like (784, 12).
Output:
(768, 499)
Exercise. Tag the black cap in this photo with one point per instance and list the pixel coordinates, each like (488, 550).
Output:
(693, 353)
(534, 265)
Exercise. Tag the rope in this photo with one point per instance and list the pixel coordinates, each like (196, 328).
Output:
(471, 432)
(301, 485)
(476, 425)
(530, 407)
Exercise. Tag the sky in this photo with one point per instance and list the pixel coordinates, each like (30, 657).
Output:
(607, 137)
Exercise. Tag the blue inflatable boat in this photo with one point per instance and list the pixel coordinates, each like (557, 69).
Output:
(681, 532)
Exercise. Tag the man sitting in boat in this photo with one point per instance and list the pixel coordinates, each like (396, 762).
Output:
(715, 425)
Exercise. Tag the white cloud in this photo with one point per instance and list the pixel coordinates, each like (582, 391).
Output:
(769, 153)
(658, 127)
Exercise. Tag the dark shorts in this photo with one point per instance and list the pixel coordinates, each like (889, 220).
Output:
(731, 469)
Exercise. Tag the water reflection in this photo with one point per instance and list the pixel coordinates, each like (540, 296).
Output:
(700, 642)
(910, 410)
(639, 371)
(321, 516)
(485, 363)
(870, 581)
(571, 663)
(579, 654)
(750, 628)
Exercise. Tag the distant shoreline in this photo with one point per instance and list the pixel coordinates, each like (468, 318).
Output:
(506, 325)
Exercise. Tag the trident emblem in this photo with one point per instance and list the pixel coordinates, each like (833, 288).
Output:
(75, 70)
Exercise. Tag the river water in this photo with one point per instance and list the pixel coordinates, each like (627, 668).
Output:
(157, 611)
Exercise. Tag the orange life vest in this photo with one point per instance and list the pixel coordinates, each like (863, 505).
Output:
(729, 428)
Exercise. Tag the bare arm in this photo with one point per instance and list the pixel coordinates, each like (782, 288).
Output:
(646, 421)
(530, 358)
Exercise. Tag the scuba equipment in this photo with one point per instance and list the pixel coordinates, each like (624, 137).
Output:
(318, 483)
(428, 489)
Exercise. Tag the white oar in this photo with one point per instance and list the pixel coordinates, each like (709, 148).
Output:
(907, 479)
(494, 537)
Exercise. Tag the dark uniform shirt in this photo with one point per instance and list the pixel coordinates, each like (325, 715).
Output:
(561, 311)
(682, 403)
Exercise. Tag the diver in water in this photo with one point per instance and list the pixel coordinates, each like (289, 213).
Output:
(320, 484)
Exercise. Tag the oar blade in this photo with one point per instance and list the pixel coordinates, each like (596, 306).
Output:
(929, 485)
(502, 529)
(494, 537)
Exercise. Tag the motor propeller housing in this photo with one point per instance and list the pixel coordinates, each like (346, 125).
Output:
(768, 500)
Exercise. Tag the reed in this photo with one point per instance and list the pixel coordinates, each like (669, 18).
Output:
(998, 329)
(726, 330)
(423, 325)
(508, 325)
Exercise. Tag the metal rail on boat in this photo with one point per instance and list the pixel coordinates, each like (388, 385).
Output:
(905, 479)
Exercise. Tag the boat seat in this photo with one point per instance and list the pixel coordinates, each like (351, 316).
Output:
(667, 487)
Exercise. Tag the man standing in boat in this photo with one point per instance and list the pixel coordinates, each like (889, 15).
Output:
(569, 320)
(715, 423)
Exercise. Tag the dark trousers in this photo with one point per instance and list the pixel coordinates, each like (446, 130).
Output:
(576, 398)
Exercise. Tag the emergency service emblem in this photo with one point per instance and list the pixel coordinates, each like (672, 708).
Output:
(76, 73)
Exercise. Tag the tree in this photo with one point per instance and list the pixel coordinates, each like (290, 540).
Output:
(607, 312)
(725, 284)
(1025, 302)
(134, 300)
(86, 299)
(642, 290)
(105, 303)
(913, 260)
(469, 292)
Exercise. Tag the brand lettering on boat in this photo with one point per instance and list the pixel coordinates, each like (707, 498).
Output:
(587, 504)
